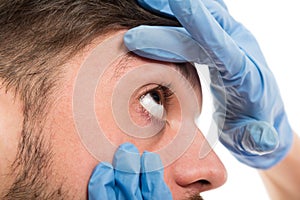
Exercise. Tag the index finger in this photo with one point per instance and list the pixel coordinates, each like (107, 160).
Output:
(102, 182)
(127, 172)
(152, 178)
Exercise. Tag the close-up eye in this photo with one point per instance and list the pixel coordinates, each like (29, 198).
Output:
(155, 101)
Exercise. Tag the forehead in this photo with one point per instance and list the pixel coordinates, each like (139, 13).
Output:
(107, 61)
(130, 61)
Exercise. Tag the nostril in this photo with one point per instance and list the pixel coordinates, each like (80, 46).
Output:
(204, 182)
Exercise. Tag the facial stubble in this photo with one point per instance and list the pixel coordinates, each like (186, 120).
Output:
(33, 165)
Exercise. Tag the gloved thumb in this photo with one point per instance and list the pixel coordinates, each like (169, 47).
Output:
(250, 139)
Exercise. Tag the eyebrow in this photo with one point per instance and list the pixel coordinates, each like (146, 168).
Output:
(182, 68)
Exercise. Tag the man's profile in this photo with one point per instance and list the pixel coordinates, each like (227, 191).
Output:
(42, 46)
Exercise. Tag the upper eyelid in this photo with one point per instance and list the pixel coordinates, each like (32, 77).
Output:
(144, 89)
(167, 92)
(148, 88)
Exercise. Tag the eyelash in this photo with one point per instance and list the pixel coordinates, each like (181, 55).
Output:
(166, 93)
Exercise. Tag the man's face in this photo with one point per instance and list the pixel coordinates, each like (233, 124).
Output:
(157, 96)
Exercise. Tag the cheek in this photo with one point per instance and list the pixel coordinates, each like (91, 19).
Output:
(104, 114)
(72, 163)
(11, 121)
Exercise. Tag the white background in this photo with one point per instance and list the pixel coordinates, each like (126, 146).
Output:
(276, 26)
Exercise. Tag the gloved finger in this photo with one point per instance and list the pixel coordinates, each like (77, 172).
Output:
(177, 45)
(219, 11)
(152, 179)
(241, 36)
(102, 183)
(204, 28)
(254, 143)
(221, 15)
(251, 137)
(222, 3)
(127, 172)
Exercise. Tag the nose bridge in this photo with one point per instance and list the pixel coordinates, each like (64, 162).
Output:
(192, 167)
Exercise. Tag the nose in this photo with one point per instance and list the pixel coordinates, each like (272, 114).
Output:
(197, 173)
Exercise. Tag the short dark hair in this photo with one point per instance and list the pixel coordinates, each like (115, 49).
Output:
(36, 38)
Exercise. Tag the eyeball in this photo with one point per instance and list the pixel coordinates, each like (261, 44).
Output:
(151, 103)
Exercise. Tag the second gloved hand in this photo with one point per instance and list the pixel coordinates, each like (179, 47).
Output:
(256, 129)
(131, 177)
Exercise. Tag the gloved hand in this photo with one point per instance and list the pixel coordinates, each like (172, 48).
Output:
(256, 129)
(132, 177)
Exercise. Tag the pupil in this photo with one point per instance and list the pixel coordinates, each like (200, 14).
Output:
(155, 97)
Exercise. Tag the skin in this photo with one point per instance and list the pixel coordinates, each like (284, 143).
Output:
(72, 163)
(282, 181)
(10, 128)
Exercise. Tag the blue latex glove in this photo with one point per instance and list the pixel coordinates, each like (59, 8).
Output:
(132, 177)
(256, 129)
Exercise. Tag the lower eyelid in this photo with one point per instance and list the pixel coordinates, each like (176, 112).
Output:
(144, 113)
(148, 118)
